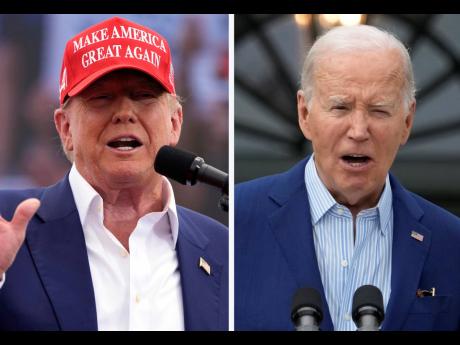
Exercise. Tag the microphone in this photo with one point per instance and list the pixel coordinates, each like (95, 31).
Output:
(307, 309)
(367, 310)
(187, 168)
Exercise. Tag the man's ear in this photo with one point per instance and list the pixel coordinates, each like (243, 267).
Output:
(176, 124)
(408, 122)
(62, 123)
(304, 115)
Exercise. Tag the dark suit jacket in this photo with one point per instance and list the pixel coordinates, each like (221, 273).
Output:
(275, 255)
(49, 285)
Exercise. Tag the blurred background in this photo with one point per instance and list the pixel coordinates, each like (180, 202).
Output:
(269, 52)
(31, 48)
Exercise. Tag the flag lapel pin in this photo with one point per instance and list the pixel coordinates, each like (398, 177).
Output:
(417, 236)
(205, 266)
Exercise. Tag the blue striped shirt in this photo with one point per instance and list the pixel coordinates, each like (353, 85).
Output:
(345, 266)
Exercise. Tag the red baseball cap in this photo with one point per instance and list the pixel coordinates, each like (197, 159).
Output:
(114, 44)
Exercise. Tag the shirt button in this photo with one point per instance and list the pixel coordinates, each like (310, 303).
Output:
(138, 298)
(340, 211)
(123, 253)
(347, 317)
(344, 263)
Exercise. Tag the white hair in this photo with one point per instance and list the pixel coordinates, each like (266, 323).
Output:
(352, 38)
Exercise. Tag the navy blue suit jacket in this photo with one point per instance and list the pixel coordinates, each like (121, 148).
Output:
(49, 285)
(275, 255)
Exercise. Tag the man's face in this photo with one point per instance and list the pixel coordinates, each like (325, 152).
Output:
(115, 127)
(357, 121)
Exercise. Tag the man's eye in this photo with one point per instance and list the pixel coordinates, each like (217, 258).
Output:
(380, 112)
(339, 107)
(100, 97)
(98, 100)
(144, 95)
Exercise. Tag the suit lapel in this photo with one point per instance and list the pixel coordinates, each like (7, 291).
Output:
(409, 256)
(58, 248)
(200, 290)
(298, 250)
(292, 228)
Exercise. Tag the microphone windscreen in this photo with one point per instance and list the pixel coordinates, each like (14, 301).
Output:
(307, 297)
(367, 295)
(174, 163)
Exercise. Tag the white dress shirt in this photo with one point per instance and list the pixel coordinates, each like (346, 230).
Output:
(139, 289)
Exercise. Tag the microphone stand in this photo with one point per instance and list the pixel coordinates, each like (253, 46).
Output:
(223, 202)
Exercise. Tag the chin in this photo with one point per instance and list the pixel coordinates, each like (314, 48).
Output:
(359, 186)
(353, 186)
(124, 173)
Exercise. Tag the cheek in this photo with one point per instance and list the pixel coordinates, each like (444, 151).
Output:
(326, 134)
(85, 138)
(386, 142)
(390, 136)
(157, 131)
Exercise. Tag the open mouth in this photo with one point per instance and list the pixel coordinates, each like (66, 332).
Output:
(125, 143)
(356, 160)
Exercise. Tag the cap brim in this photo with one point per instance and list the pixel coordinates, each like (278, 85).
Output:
(93, 77)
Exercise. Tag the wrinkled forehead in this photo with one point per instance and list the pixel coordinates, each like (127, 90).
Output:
(382, 60)
(364, 68)
(375, 99)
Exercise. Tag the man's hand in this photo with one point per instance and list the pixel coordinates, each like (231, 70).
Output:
(12, 233)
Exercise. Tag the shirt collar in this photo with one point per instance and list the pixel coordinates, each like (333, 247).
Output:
(86, 197)
(321, 200)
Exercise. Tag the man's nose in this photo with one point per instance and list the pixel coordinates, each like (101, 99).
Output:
(124, 111)
(359, 126)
